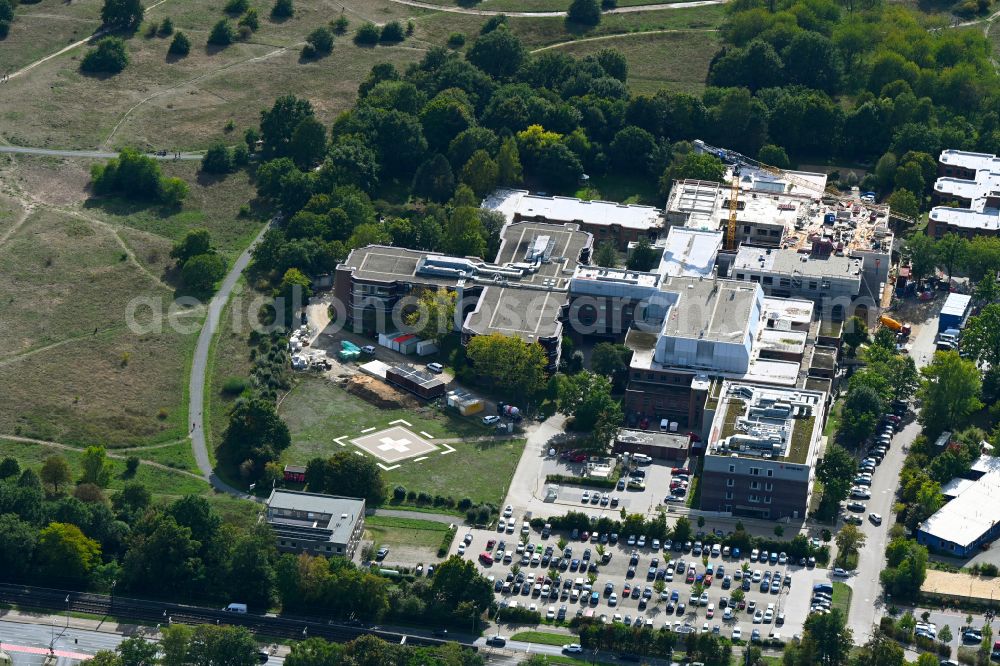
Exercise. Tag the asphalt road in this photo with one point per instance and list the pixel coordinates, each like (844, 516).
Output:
(616, 10)
(199, 370)
(867, 603)
(93, 154)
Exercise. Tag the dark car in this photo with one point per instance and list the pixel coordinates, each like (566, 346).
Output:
(262, 657)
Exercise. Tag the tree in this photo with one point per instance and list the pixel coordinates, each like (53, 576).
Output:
(605, 255)
(347, 474)
(457, 581)
(682, 529)
(509, 163)
(584, 12)
(835, 470)
(862, 409)
(498, 53)
(292, 294)
(514, 367)
(162, 555)
(828, 637)
(392, 33)
(949, 391)
(109, 56)
(849, 540)
(255, 432)
(321, 39)
(981, 339)
(125, 15)
(463, 233)
(587, 398)
(904, 202)
(282, 9)
(774, 156)
(314, 652)
(249, 566)
(222, 34)
(278, 124)
(17, 546)
(881, 650)
(9, 467)
(55, 472)
(308, 143)
(812, 60)
(697, 166)
(131, 175)
(480, 173)
(923, 255)
(64, 552)
(951, 250)
(643, 256)
(368, 34)
(855, 332)
(611, 360)
(137, 651)
(202, 272)
(434, 318)
(434, 179)
(180, 45)
(95, 466)
(217, 159)
(195, 242)
(172, 192)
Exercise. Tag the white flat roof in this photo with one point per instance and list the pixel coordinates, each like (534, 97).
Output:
(689, 252)
(988, 219)
(788, 309)
(969, 160)
(571, 209)
(967, 517)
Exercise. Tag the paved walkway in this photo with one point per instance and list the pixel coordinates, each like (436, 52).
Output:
(419, 515)
(616, 10)
(199, 372)
(92, 154)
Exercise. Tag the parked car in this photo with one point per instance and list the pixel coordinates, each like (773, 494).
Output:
(491, 420)
(436, 368)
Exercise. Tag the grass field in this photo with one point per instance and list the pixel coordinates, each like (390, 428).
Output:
(317, 411)
(406, 532)
(842, 597)
(676, 61)
(543, 638)
(43, 28)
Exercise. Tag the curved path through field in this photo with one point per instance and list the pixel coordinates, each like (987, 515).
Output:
(199, 370)
(616, 10)
(601, 38)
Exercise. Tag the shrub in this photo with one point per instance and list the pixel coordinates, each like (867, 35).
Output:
(519, 615)
(236, 6)
(282, 9)
(4, 28)
(367, 34)
(399, 493)
(244, 211)
(339, 25)
(166, 28)
(411, 495)
(7, 10)
(456, 40)
(241, 157)
(217, 159)
(410, 27)
(235, 385)
(180, 46)
(446, 540)
(988, 569)
(321, 39)
(109, 56)
(609, 4)
(131, 465)
(250, 20)
(392, 32)
(493, 23)
(243, 33)
(222, 34)
(151, 29)
(464, 504)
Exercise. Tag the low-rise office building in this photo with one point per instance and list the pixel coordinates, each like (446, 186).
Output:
(816, 273)
(670, 446)
(316, 524)
(761, 451)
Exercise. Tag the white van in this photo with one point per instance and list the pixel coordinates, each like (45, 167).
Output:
(641, 459)
(525, 527)
(236, 608)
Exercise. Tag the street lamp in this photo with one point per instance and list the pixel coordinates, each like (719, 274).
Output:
(67, 611)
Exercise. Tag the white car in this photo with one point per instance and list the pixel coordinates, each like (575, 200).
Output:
(461, 549)
(875, 518)
(436, 368)
(768, 616)
(501, 525)
(550, 614)
(491, 420)
(758, 617)
(508, 511)
(572, 648)
(840, 573)
(613, 599)
(737, 633)
(727, 614)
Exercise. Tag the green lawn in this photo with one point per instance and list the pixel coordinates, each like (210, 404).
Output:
(544, 638)
(318, 411)
(842, 597)
(177, 456)
(409, 532)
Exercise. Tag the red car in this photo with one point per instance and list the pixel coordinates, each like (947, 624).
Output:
(690, 576)
(490, 544)
(708, 580)
(680, 470)
(486, 558)
(580, 457)
(626, 590)
(585, 536)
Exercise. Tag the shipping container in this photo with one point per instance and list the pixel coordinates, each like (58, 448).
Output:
(955, 312)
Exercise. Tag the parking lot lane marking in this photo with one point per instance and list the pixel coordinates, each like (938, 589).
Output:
(418, 459)
(403, 421)
(387, 469)
(368, 429)
(427, 434)
(360, 454)
(448, 450)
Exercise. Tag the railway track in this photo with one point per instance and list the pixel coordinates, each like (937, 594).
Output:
(157, 612)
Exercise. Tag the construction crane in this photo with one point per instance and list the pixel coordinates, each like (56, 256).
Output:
(739, 160)
(734, 195)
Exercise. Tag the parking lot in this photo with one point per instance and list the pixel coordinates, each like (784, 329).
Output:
(632, 568)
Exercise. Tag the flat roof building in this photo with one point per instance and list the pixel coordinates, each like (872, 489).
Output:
(689, 252)
(971, 519)
(761, 451)
(316, 524)
(659, 445)
(617, 223)
(972, 182)
(814, 274)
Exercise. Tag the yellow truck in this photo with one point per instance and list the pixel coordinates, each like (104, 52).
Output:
(895, 325)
